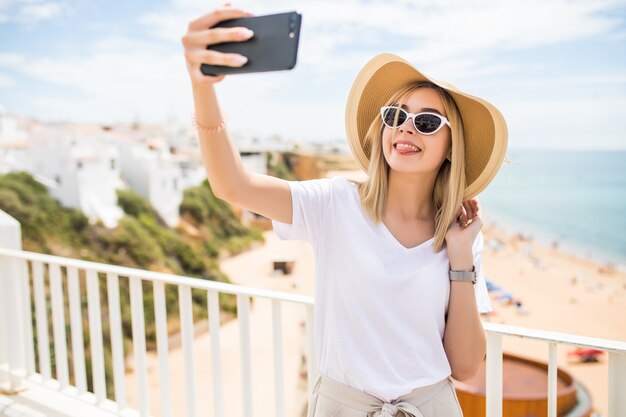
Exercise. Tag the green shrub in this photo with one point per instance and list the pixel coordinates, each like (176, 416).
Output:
(135, 205)
(140, 240)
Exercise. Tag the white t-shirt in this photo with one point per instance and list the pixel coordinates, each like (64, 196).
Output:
(379, 307)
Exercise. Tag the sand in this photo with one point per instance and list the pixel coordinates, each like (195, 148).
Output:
(541, 278)
(561, 293)
(252, 268)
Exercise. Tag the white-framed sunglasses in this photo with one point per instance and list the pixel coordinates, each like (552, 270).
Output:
(427, 123)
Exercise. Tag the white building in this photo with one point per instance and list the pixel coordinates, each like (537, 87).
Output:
(10, 131)
(13, 143)
(152, 171)
(83, 166)
(80, 169)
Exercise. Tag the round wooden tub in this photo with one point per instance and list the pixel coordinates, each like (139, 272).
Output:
(524, 391)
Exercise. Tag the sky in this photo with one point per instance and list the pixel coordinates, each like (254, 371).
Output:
(556, 69)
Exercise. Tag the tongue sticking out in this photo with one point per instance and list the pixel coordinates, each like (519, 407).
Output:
(404, 150)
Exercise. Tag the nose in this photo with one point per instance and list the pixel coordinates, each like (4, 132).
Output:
(407, 127)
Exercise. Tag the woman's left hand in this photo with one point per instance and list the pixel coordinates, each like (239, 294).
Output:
(466, 225)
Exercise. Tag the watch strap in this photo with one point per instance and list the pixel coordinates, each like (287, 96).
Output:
(464, 275)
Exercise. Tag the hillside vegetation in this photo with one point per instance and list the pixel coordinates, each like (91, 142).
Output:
(141, 240)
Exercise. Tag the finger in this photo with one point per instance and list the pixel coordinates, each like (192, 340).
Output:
(214, 17)
(478, 210)
(460, 215)
(462, 219)
(216, 35)
(207, 79)
(206, 56)
(475, 207)
(469, 209)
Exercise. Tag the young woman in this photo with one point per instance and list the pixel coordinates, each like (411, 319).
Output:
(399, 280)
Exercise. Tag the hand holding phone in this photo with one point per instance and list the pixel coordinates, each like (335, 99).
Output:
(229, 40)
(202, 32)
(273, 47)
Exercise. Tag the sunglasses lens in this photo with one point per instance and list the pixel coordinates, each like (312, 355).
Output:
(389, 116)
(427, 123)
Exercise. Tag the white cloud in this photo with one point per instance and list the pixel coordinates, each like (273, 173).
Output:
(117, 73)
(617, 36)
(598, 79)
(6, 81)
(40, 11)
(30, 12)
(553, 122)
(169, 26)
(11, 59)
(470, 32)
(117, 78)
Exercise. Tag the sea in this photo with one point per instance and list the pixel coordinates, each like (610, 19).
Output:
(576, 198)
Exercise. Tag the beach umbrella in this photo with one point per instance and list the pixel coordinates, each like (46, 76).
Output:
(494, 244)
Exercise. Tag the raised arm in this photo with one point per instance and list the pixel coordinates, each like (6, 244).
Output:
(230, 181)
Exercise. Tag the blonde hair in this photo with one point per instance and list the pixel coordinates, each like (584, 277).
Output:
(449, 184)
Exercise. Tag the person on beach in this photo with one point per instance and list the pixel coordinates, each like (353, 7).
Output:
(399, 281)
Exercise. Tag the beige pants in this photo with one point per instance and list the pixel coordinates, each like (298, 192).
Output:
(332, 398)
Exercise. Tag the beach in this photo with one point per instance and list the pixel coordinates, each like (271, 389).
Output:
(557, 292)
(560, 293)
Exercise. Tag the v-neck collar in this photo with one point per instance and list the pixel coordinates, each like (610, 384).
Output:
(382, 227)
(395, 241)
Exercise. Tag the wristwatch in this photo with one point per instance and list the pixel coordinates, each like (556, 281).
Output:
(464, 275)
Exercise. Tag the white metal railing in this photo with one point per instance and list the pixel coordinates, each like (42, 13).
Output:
(19, 357)
(617, 365)
(18, 353)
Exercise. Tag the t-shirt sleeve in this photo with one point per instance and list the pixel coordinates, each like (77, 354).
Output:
(483, 302)
(310, 200)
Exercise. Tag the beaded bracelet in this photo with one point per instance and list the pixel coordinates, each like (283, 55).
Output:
(207, 129)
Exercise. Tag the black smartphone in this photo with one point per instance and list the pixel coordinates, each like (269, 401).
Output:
(273, 47)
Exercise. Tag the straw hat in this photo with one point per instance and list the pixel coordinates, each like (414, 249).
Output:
(484, 128)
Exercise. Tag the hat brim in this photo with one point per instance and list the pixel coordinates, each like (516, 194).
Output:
(484, 128)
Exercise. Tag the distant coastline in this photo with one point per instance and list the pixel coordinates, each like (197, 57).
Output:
(572, 199)
(547, 238)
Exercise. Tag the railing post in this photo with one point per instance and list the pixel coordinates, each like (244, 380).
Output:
(552, 379)
(13, 326)
(494, 375)
(617, 384)
(311, 360)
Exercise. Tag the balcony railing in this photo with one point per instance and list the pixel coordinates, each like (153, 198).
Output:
(23, 277)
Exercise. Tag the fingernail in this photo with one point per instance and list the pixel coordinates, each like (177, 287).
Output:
(246, 33)
(240, 59)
